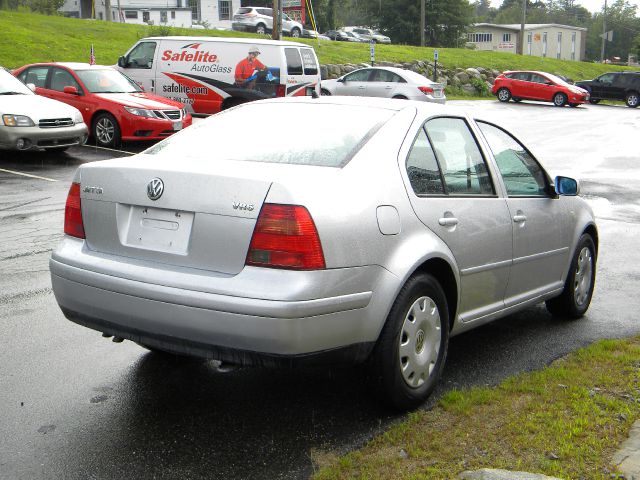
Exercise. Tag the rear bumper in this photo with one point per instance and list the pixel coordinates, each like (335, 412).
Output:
(38, 138)
(227, 327)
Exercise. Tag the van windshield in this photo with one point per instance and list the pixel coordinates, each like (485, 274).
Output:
(294, 133)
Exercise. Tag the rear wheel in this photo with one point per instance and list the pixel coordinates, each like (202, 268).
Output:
(574, 300)
(401, 97)
(559, 99)
(412, 348)
(106, 130)
(632, 99)
(261, 29)
(504, 94)
(295, 32)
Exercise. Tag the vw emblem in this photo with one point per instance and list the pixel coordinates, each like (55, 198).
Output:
(155, 189)
(420, 338)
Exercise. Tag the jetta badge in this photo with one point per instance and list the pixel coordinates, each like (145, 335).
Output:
(155, 189)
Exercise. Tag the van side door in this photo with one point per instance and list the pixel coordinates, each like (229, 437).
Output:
(139, 64)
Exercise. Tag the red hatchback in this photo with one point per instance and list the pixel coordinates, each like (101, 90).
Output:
(540, 86)
(113, 106)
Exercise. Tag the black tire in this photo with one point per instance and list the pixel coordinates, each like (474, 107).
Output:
(632, 99)
(106, 131)
(574, 300)
(325, 92)
(503, 94)
(295, 32)
(261, 28)
(594, 101)
(401, 97)
(418, 326)
(559, 99)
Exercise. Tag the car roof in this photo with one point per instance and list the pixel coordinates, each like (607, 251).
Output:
(410, 74)
(247, 41)
(71, 65)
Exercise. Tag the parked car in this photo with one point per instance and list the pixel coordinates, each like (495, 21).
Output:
(387, 82)
(32, 122)
(368, 34)
(260, 20)
(539, 86)
(354, 37)
(436, 223)
(309, 33)
(114, 106)
(339, 36)
(623, 86)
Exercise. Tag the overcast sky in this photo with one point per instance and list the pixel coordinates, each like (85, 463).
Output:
(591, 5)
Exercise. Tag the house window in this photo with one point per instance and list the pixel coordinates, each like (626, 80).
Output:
(163, 16)
(145, 17)
(480, 37)
(544, 44)
(529, 38)
(195, 9)
(506, 37)
(224, 10)
(131, 14)
(173, 15)
(559, 52)
(573, 45)
(113, 15)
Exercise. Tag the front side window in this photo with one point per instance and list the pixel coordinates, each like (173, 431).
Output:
(464, 169)
(358, 76)
(521, 173)
(61, 78)
(142, 55)
(606, 78)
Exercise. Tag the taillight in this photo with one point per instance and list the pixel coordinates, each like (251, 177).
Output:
(73, 213)
(285, 237)
(281, 90)
(426, 90)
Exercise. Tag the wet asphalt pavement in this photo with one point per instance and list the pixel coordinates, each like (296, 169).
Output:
(76, 406)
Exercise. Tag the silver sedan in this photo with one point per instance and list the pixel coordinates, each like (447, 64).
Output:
(386, 82)
(370, 239)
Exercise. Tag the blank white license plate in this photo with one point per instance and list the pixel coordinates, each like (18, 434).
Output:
(177, 125)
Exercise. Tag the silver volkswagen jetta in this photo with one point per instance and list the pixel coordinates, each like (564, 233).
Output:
(371, 237)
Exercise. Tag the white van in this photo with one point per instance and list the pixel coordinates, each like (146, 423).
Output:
(209, 74)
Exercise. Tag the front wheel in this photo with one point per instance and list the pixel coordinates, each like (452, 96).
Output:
(632, 99)
(504, 94)
(106, 130)
(559, 99)
(594, 101)
(574, 300)
(325, 92)
(412, 348)
(295, 32)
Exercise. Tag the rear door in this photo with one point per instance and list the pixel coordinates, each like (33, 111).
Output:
(383, 83)
(454, 196)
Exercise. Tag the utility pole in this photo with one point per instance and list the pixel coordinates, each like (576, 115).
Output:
(422, 22)
(107, 10)
(277, 20)
(522, 24)
(604, 33)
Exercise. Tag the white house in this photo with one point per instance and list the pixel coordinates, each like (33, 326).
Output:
(542, 40)
(174, 13)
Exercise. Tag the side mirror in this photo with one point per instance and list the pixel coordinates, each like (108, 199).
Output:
(70, 90)
(31, 86)
(567, 186)
(341, 80)
(122, 62)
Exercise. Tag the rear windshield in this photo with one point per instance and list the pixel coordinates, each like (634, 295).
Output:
(242, 11)
(295, 133)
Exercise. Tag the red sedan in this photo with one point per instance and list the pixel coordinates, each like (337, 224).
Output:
(540, 86)
(113, 106)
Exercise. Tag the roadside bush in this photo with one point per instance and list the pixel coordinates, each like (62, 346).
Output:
(481, 87)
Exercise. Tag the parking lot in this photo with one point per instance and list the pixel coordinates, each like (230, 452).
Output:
(78, 406)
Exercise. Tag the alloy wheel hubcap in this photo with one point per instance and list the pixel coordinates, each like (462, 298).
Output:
(503, 95)
(633, 100)
(105, 130)
(583, 277)
(419, 342)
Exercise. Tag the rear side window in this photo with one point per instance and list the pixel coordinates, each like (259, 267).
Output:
(464, 169)
(294, 62)
(35, 75)
(422, 167)
(309, 61)
(249, 134)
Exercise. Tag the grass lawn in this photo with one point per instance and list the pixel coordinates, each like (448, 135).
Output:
(565, 421)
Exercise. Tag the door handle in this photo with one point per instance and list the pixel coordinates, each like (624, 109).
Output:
(448, 221)
(520, 218)
(361, 88)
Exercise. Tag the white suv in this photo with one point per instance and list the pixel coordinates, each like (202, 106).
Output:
(260, 20)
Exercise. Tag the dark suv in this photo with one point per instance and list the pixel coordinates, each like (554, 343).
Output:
(614, 86)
